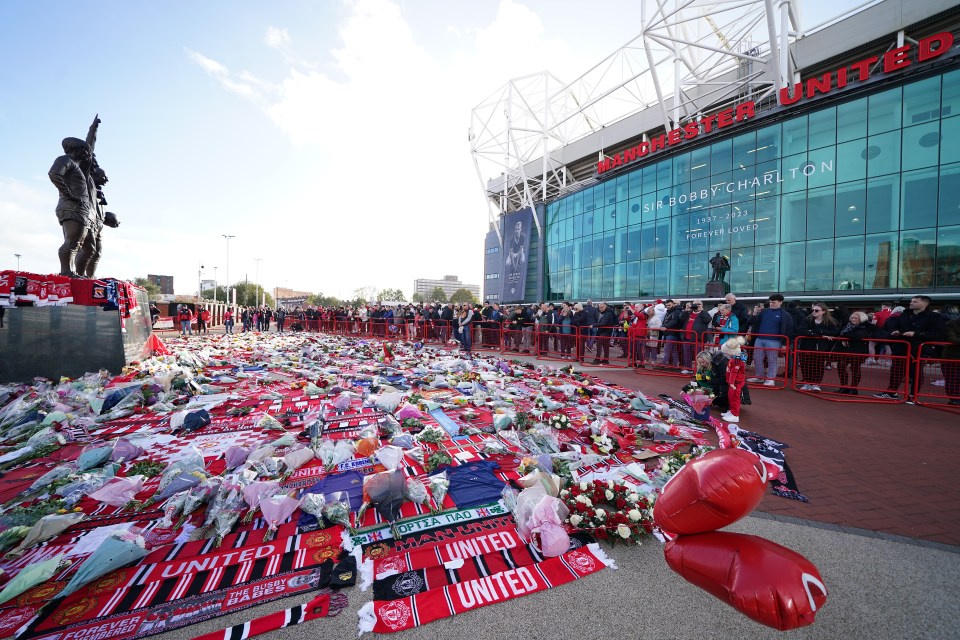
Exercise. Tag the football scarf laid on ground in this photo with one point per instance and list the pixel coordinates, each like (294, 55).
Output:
(327, 604)
(387, 616)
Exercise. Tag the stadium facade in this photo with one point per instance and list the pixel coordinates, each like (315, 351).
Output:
(824, 164)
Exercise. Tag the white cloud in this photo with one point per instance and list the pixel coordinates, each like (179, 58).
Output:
(276, 38)
(244, 88)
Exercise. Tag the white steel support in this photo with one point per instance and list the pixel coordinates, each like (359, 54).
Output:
(678, 67)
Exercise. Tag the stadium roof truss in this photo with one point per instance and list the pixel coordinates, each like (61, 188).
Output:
(690, 56)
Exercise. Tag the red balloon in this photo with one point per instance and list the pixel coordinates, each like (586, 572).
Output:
(764, 581)
(711, 492)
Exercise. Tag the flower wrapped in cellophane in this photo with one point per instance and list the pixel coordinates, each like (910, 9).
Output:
(198, 496)
(439, 485)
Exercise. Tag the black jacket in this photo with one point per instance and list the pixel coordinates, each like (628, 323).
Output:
(927, 326)
(852, 338)
(676, 318)
(606, 322)
(702, 324)
(811, 329)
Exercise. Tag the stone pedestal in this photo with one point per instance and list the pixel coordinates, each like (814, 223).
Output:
(717, 289)
(70, 341)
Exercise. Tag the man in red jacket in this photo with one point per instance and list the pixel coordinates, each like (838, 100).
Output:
(185, 316)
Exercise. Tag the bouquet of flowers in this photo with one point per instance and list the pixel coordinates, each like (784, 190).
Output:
(227, 514)
(415, 492)
(493, 446)
(670, 465)
(439, 484)
(558, 421)
(332, 453)
(313, 503)
(437, 459)
(337, 509)
(276, 509)
(604, 444)
(431, 434)
(255, 492)
(609, 510)
(172, 508)
(198, 496)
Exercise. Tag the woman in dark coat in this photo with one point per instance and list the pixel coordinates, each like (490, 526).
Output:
(852, 348)
(815, 349)
(580, 323)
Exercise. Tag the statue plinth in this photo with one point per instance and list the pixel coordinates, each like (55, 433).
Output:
(717, 289)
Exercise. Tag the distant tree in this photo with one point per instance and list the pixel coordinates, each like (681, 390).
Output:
(364, 294)
(320, 300)
(151, 287)
(220, 293)
(395, 295)
(247, 295)
(462, 295)
(437, 295)
(419, 297)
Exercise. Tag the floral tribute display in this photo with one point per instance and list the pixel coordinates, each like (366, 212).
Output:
(239, 469)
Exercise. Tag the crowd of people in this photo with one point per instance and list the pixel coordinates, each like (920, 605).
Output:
(664, 333)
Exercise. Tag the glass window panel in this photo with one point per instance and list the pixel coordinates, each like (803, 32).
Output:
(795, 135)
(948, 257)
(648, 241)
(683, 230)
(792, 266)
(631, 247)
(821, 210)
(921, 146)
(697, 235)
(852, 160)
(588, 197)
(610, 217)
(721, 157)
(820, 265)
(664, 174)
(700, 163)
(552, 213)
(765, 268)
(821, 167)
(586, 252)
(949, 209)
(609, 246)
(883, 111)
(822, 128)
(599, 196)
(646, 278)
(634, 207)
(744, 149)
(917, 254)
(848, 263)
(678, 277)
(648, 209)
(661, 277)
(598, 251)
(918, 199)
(883, 154)
(635, 180)
(950, 131)
(577, 199)
(622, 240)
(720, 228)
(619, 281)
(793, 217)
(880, 261)
(568, 231)
(633, 280)
(768, 144)
(743, 185)
(698, 187)
(883, 204)
(741, 225)
(741, 269)
(649, 178)
(767, 219)
(769, 174)
(950, 100)
(664, 210)
(698, 268)
(590, 220)
(681, 168)
(851, 204)
(576, 291)
(921, 101)
(623, 188)
(662, 238)
(577, 226)
(606, 284)
(720, 189)
(851, 124)
(609, 193)
(792, 174)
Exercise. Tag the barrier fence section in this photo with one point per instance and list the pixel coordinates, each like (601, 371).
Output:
(838, 369)
(609, 348)
(518, 339)
(768, 357)
(937, 378)
(487, 336)
(556, 342)
(665, 352)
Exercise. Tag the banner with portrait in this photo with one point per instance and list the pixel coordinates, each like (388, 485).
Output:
(516, 253)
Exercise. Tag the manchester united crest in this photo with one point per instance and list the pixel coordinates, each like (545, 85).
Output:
(74, 611)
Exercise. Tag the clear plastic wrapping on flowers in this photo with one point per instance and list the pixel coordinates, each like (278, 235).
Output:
(331, 453)
(493, 446)
(509, 497)
(391, 457)
(386, 493)
(93, 455)
(269, 423)
(118, 492)
(227, 515)
(236, 456)
(389, 401)
(200, 495)
(85, 484)
(336, 508)
(265, 451)
(124, 451)
(540, 440)
(313, 504)
(57, 473)
(190, 460)
(415, 492)
(439, 485)
(172, 508)
(296, 458)
(286, 440)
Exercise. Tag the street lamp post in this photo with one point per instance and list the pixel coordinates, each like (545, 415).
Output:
(214, 284)
(200, 283)
(257, 276)
(228, 266)
(18, 262)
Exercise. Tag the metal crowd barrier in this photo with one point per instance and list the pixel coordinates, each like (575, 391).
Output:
(554, 344)
(838, 370)
(761, 360)
(936, 379)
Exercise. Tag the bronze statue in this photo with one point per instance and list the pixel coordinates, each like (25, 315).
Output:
(720, 264)
(75, 207)
(90, 250)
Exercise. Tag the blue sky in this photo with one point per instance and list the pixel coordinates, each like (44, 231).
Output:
(329, 137)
